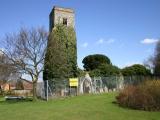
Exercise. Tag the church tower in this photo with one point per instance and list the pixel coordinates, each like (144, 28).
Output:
(61, 15)
(61, 55)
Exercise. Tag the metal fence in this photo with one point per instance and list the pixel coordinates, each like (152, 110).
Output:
(60, 87)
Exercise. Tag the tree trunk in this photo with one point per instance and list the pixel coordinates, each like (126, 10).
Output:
(34, 91)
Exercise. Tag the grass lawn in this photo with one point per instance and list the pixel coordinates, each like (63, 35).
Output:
(87, 107)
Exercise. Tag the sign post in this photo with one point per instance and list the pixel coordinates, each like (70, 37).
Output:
(73, 82)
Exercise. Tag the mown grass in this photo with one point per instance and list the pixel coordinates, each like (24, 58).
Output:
(87, 107)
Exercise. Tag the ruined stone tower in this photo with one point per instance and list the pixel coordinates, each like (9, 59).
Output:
(61, 55)
(61, 15)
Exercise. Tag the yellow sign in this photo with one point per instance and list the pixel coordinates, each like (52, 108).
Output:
(73, 82)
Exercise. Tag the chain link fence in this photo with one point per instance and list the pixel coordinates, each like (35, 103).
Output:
(60, 87)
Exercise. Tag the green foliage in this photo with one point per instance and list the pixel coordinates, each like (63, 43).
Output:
(92, 62)
(81, 73)
(95, 73)
(61, 56)
(105, 70)
(109, 70)
(100, 65)
(135, 69)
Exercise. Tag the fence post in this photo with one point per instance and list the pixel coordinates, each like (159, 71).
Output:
(47, 90)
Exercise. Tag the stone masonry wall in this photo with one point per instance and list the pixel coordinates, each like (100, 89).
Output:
(58, 14)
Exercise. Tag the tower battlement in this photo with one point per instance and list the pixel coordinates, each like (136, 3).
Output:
(60, 15)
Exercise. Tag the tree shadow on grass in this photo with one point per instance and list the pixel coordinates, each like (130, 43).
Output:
(12, 101)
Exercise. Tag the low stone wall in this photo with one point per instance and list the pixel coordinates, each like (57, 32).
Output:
(25, 93)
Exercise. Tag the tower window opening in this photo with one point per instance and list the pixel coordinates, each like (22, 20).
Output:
(64, 21)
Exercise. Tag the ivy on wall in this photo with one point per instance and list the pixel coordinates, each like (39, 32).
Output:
(61, 56)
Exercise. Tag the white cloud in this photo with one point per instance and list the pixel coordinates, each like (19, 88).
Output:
(2, 49)
(85, 45)
(149, 41)
(110, 41)
(102, 41)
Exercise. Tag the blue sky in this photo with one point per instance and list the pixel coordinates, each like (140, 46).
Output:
(124, 30)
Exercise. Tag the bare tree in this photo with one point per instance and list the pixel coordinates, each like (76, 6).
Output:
(156, 60)
(153, 62)
(149, 63)
(7, 70)
(26, 51)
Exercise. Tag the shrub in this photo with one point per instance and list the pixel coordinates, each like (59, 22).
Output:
(145, 96)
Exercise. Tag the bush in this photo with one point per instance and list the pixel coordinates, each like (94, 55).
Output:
(145, 96)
